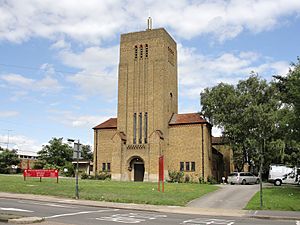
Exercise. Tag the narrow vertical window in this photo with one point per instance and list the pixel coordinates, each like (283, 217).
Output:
(141, 129)
(134, 128)
(181, 166)
(135, 52)
(103, 166)
(146, 127)
(108, 167)
(146, 51)
(141, 51)
(187, 166)
(192, 166)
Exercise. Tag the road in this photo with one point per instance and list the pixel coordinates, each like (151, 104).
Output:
(63, 213)
(227, 197)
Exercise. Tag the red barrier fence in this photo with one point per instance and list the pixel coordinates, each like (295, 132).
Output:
(40, 174)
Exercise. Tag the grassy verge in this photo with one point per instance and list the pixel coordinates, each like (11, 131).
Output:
(129, 192)
(277, 198)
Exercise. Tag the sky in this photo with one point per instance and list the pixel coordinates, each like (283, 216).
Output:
(59, 59)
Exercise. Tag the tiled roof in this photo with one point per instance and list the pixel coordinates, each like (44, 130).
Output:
(108, 124)
(187, 118)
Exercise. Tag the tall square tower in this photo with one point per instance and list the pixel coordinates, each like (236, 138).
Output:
(147, 88)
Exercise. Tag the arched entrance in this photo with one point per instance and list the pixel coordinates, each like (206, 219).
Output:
(136, 165)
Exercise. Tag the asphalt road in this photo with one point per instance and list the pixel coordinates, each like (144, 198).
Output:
(62, 213)
(227, 197)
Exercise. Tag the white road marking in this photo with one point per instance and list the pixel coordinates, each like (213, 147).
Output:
(48, 204)
(121, 219)
(15, 209)
(131, 217)
(199, 221)
(82, 212)
(297, 222)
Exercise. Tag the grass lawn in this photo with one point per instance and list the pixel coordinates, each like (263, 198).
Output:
(129, 192)
(277, 198)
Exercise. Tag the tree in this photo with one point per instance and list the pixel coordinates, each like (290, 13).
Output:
(247, 114)
(8, 158)
(86, 152)
(56, 153)
(289, 89)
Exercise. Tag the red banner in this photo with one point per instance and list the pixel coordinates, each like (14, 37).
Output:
(40, 173)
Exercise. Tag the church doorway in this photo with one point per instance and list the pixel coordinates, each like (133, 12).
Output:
(137, 164)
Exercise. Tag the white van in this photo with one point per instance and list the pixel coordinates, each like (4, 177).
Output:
(281, 174)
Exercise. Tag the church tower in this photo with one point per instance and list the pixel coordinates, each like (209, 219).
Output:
(148, 124)
(147, 88)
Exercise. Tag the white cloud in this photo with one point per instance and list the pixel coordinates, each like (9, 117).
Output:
(8, 113)
(22, 85)
(93, 21)
(22, 143)
(98, 75)
(198, 71)
(69, 119)
(17, 80)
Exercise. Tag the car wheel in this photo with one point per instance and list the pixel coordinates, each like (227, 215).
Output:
(277, 182)
(244, 182)
(257, 181)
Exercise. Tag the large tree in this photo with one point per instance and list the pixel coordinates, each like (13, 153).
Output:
(247, 114)
(8, 158)
(56, 153)
(289, 132)
(86, 152)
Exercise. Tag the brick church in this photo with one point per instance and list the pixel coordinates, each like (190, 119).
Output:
(148, 124)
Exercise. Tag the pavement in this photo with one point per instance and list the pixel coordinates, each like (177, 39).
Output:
(226, 197)
(259, 214)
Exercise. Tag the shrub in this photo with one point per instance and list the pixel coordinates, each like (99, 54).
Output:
(176, 176)
(212, 180)
(201, 180)
(84, 176)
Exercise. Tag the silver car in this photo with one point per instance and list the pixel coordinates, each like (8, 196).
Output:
(242, 178)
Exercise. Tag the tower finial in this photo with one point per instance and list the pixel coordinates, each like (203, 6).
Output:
(149, 23)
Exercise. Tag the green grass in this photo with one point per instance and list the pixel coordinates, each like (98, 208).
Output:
(129, 192)
(277, 198)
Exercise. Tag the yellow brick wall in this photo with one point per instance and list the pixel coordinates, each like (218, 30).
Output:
(227, 152)
(185, 145)
(103, 147)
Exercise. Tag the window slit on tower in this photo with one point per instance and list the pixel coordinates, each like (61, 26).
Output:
(135, 52)
(141, 51)
(146, 51)
(146, 127)
(134, 128)
(141, 130)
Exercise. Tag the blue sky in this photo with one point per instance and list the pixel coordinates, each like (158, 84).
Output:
(59, 59)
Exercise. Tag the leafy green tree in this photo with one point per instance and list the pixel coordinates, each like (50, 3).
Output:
(289, 87)
(56, 153)
(8, 158)
(86, 152)
(247, 114)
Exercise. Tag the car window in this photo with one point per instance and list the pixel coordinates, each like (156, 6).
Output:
(232, 174)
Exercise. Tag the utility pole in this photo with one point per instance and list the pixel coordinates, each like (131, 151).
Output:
(77, 170)
(77, 166)
(7, 143)
(260, 173)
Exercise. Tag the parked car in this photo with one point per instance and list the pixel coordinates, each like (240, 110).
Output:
(283, 174)
(242, 178)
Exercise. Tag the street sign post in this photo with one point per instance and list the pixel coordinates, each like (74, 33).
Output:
(161, 173)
